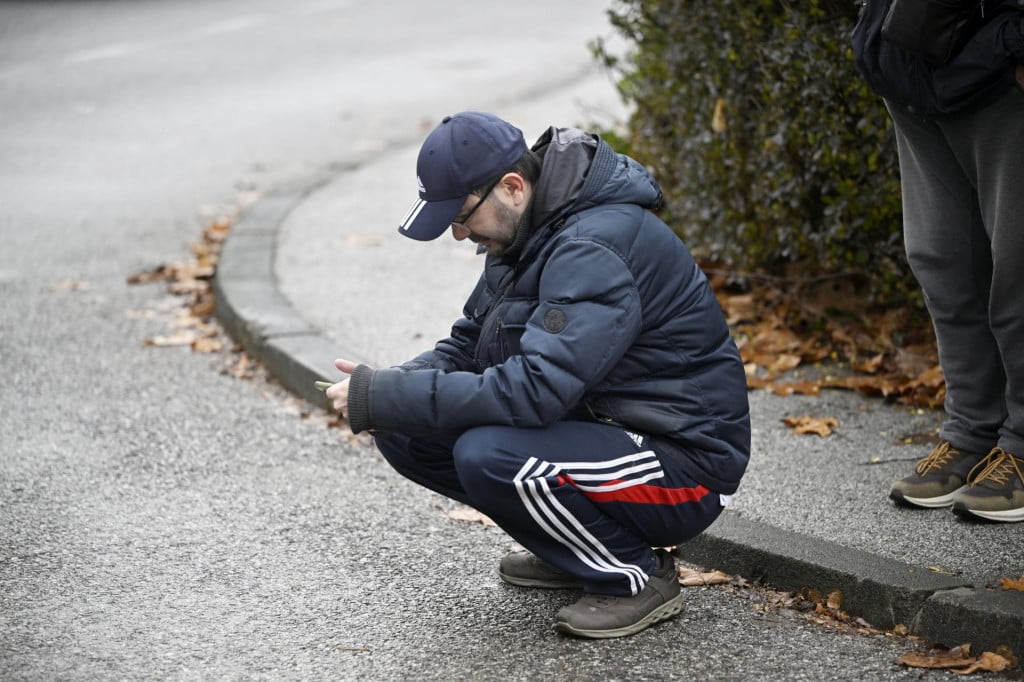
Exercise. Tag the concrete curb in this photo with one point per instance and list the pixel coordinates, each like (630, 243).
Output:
(884, 592)
(252, 309)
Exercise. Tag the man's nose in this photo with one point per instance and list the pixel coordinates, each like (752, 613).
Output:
(459, 232)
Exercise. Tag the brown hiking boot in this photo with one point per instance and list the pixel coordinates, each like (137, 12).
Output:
(995, 489)
(936, 478)
(601, 616)
(528, 570)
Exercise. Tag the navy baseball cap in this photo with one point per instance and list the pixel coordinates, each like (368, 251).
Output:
(462, 153)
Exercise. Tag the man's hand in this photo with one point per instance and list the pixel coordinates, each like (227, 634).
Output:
(338, 393)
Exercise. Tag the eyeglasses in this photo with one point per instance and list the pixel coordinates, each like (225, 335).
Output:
(483, 197)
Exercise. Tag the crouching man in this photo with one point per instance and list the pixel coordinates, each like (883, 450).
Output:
(590, 400)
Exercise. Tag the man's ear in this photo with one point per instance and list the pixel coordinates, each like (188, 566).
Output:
(516, 187)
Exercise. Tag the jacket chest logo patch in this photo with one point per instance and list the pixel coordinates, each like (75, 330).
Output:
(555, 321)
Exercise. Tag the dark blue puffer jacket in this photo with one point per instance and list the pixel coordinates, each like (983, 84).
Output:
(602, 314)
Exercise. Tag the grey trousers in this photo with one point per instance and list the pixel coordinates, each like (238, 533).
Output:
(963, 213)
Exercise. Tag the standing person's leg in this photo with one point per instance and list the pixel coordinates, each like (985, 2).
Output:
(990, 146)
(950, 255)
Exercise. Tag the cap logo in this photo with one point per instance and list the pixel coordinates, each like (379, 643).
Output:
(419, 184)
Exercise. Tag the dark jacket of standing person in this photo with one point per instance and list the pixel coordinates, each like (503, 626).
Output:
(976, 75)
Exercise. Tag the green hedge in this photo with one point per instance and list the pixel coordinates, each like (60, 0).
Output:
(773, 154)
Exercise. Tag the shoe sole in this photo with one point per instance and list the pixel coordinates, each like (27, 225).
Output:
(1007, 516)
(925, 502)
(668, 610)
(553, 584)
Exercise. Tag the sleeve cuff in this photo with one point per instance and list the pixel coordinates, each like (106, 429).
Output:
(359, 399)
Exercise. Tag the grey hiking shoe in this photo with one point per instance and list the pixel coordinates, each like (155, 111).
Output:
(996, 489)
(601, 616)
(528, 570)
(936, 478)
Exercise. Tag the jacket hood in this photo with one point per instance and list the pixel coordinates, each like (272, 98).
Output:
(580, 170)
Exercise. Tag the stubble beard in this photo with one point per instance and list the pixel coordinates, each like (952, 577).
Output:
(508, 219)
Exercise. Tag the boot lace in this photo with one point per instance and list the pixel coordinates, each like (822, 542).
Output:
(997, 467)
(938, 458)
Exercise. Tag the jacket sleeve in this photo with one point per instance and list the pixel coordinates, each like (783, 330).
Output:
(587, 316)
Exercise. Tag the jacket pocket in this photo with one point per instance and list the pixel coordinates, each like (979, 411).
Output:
(510, 339)
(507, 328)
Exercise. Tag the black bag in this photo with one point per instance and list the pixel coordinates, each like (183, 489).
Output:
(934, 30)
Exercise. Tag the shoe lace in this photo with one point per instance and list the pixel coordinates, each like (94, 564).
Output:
(937, 459)
(997, 467)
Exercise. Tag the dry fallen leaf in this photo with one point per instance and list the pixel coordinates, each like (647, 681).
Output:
(957, 657)
(69, 285)
(810, 594)
(870, 365)
(182, 338)
(957, 660)
(245, 368)
(835, 600)
(719, 124)
(183, 287)
(942, 571)
(186, 321)
(140, 314)
(987, 662)
(470, 515)
(194, 270)
(207, 344)
(784, 362)
(821, 426)
(1011, 584)
(799, 387)
(1006, 652)
(738, 308)
(204, 307)
(688, 577)
(160, 272)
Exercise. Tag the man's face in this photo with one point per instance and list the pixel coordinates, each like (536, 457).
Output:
(491, 221)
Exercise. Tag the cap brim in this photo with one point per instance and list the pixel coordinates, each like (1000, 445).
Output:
(428, 220)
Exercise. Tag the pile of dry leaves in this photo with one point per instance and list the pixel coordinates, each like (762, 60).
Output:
(193, 322)
(800, 336)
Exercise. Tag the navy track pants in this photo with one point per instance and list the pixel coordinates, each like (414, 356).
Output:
(589, 498)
